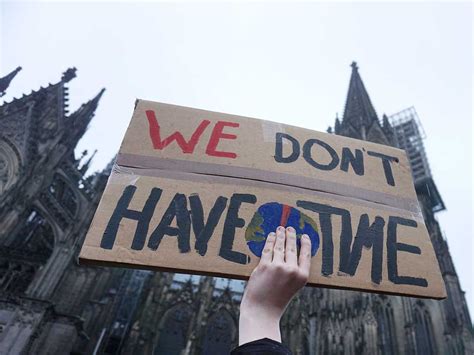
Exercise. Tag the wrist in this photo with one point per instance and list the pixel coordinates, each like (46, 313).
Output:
(258, 323)
(261, 311)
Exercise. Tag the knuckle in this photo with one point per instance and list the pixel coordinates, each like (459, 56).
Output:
(279, 267)
(270, 241)
(303, 276)
(292, 272)
(279, 249)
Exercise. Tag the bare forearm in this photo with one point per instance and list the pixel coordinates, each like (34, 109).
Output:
(258, 326)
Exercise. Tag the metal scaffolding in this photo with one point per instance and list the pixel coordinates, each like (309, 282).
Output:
(410, 135)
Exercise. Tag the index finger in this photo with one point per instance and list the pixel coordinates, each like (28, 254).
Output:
(305, 254)
(267, 252)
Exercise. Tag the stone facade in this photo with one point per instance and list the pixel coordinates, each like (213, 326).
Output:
(48, 303)
(51, 305)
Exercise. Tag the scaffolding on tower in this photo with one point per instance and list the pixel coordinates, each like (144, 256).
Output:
(410, 135)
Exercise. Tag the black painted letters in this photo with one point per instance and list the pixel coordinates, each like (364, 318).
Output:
(122, 211)
(233, 221)
(309, 159)
(295, 146)
(393, 247)
(353, 158)
(370, 237)
(204, 232)
(357, 161)
(387, 168)
(176, 209)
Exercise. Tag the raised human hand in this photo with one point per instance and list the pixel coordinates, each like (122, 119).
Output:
(279, 275)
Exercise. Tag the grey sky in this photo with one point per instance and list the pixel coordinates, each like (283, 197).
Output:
(283, 62)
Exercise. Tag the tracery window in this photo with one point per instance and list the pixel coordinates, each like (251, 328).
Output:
(236, 287)
(9, 165)
(173, 335)
(15, 277)
(20, 257)
(179, 280)
(35, 240)
(424, 335)
(219, 332)
(63, 194)
(387, 338)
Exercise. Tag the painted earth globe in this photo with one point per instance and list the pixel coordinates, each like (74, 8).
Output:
(273, 214)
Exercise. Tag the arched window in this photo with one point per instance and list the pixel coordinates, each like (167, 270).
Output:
(35, 239)
(173, 335)
(329, 342)
(313, 333)
(424, 335)
(219, 333)
(29, 248)
(387, 338)
(9, 165)
(15, 277)
(63, 194)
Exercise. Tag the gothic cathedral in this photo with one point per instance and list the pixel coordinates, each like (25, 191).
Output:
(51, 305)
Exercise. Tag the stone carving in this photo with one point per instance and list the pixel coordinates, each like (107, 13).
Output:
(9, 166)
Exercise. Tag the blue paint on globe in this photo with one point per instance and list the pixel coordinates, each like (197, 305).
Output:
(267, 219)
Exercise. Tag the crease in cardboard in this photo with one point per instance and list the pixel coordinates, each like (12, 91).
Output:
(142, 163)
(133, 172)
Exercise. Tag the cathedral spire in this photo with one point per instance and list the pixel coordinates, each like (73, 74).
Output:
(87, 164)
(5, 81)
(359, 111)
(83, 115)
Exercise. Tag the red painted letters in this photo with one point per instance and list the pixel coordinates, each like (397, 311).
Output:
(218, 134)
(188, 146)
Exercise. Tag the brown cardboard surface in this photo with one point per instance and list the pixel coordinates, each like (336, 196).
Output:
(394, 232)
(254, 147)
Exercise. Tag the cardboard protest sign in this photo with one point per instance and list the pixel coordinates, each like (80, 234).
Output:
(198, 192)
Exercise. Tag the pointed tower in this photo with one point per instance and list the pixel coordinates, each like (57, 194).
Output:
(80, 119)
(6, 80)
(360, 119)
(429, 326)
(359, 111)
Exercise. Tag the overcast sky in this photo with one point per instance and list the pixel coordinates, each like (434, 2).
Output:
(283, 62)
